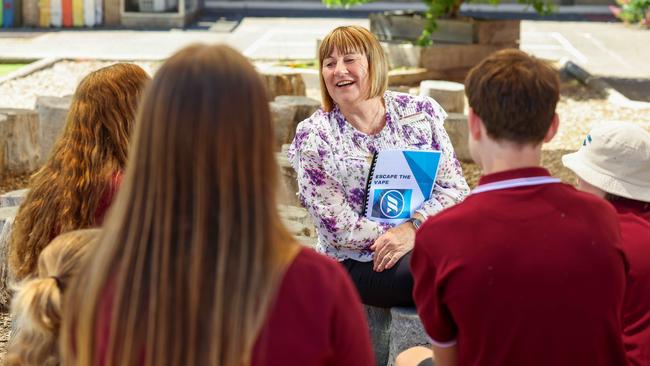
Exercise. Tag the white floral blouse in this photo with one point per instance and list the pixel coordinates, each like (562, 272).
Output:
(332, 160)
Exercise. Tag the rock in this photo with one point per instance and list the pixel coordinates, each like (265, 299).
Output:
(307, 241)
(282, 82)
(19, 141)
(456, 127)
(406, 331)
(298, 229)
(52, 113)
(7, 215)
(13, 198)
(379, 321)
(297, 214)
(288, 189)
(450, 95)
(305, 106)
(284, 126)
(302, 108)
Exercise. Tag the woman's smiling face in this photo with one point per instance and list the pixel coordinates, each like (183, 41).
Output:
(346, 76)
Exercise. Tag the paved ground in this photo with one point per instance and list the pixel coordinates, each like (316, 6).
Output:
(608, 49)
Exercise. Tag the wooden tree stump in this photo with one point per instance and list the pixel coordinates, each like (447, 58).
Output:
(450, 95)
(19, 141)
(456, 127)
(52, 113)
(7, 215)
(283, 82)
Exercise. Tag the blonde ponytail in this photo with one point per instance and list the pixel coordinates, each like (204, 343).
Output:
(36, 306)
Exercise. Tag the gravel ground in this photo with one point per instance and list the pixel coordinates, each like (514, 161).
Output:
(59, 80)
(579, 109)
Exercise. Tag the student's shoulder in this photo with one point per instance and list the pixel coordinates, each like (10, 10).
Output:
(462, 215)
(315, 268)
(584, 201)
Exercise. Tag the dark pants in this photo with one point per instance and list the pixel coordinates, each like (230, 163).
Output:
(392, 287)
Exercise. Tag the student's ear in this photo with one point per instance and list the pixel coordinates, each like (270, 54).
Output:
(474, 125)
(552, 130)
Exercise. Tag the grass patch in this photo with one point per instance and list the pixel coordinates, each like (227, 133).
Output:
(299, 64)
(6, 69)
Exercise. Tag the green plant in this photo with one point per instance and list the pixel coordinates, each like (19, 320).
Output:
(448, 9)
(634, 11)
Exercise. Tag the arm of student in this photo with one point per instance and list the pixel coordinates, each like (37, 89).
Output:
(450, 187)
(325, 198)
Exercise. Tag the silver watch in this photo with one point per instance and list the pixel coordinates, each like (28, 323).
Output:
(415, 222)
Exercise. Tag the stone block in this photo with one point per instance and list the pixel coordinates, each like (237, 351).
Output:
(282, 82)
(284, 126)
(379, 321)
(305, 106)
(13, 198)
(456, 127)
(19, 141)
(450, 95)
(297, 214)
(406, 331)
(52, 113)
(288, 182)
(308, 241)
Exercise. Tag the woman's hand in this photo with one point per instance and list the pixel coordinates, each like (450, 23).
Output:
(393, 245)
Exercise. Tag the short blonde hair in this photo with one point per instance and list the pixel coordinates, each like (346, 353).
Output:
(352, 38)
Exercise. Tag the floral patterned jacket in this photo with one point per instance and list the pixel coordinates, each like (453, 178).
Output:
(332, 160)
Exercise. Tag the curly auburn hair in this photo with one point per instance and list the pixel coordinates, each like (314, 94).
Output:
(65, 193)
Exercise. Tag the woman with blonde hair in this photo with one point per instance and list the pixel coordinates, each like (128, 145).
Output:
(75, 186)
(37, 303)
(332, 154)
(196, 267)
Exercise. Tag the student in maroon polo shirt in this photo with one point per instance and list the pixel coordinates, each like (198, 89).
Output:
(614, 163)
(527, 270)
(195, 266)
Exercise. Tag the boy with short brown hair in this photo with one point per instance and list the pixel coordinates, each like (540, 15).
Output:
(527, 270)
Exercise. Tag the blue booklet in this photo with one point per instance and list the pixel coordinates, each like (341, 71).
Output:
(398, 183)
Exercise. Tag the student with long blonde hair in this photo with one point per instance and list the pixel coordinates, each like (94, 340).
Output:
(36, 305)
(196, 267)
(75, 186)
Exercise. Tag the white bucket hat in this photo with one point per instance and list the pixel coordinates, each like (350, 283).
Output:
(615, 157)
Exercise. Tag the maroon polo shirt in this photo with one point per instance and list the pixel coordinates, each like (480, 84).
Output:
(635, 232)
(523, 276)
(317, 319)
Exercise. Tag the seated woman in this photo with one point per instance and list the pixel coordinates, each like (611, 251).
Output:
(614, 163)
(75, 186)
(196, 267)
(332, 152)
(36, 306)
